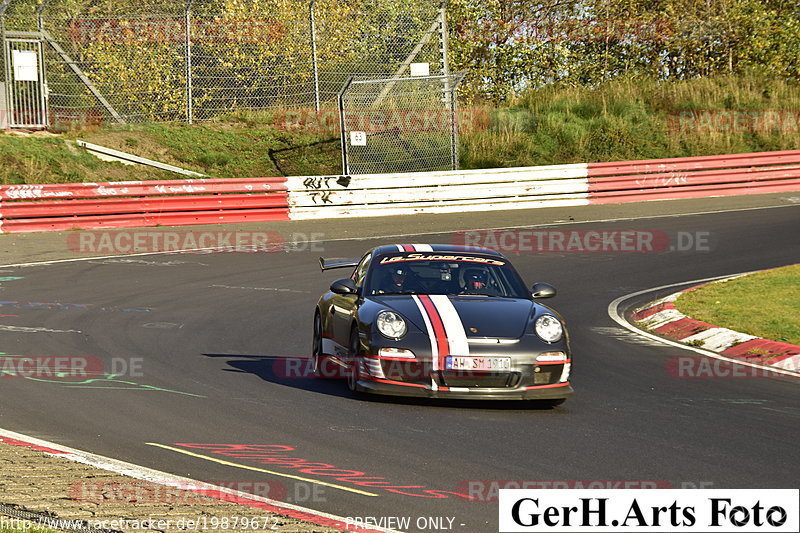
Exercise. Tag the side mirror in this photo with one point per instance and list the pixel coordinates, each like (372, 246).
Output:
(543, 290)
(344, 286)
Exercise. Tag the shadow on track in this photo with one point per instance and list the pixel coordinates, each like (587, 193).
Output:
(296, 372)
(292, 372)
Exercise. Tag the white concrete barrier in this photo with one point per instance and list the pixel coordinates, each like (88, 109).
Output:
(437, 192)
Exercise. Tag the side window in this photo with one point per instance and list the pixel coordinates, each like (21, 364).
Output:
(361, 270)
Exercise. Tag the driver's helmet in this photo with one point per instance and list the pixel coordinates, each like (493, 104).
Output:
(399, 274)
(475, 278)
(399, 271)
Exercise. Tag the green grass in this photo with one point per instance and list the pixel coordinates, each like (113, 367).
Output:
(236, 146)
(620, 120)
(48, 159)
(765, 304)
(629, 119)
(254, 145)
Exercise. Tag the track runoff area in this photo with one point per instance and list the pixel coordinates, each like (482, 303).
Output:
(204, 344)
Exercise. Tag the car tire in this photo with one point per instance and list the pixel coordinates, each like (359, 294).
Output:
(355, 361)
(316, 347)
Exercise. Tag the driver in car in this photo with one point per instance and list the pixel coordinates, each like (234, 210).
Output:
(398, 280)
(475, 280)
(401, 280)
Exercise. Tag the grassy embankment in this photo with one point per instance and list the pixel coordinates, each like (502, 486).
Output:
(764, 304)
(616, 121)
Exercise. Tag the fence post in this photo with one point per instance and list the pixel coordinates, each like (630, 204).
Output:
(40, 14)
(45, 90)
(188, 28)
(313, 22)
(454, 148)
(443, 51)
(444, 37)
(5, 120)
(343, 131)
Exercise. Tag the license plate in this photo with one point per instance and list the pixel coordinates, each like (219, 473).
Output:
(477, 363)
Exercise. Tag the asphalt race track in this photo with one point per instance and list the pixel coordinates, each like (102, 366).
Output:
(195, 339)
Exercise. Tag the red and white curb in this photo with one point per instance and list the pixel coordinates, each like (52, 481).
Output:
(208, 490)
(663, 318)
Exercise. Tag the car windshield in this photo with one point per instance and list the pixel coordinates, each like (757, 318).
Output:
(444, 273)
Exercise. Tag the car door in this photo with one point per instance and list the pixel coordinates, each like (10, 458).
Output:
(344, 306)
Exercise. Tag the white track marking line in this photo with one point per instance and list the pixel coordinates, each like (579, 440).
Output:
(22, 329)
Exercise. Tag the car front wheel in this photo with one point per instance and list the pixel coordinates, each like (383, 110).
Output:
(316, 347)
(355, 361)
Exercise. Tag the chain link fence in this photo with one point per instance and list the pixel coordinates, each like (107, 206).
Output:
(202, 59)
(399, 125)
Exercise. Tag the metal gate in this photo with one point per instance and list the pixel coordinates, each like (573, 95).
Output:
(25, 83)
(399, 124)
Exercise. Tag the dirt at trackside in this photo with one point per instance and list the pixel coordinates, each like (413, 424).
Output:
(68, 490)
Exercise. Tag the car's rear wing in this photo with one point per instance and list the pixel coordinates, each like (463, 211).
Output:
(328, 264)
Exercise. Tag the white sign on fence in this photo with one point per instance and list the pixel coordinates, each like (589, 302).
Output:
(26, 65)
(358, 138)
(420, 69)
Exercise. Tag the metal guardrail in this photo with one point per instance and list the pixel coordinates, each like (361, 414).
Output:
(686, 177)
(25, 208)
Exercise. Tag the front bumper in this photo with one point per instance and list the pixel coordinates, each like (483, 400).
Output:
(555, 391)
(526, 379)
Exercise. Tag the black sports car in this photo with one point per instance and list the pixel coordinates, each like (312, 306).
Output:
(441, 321)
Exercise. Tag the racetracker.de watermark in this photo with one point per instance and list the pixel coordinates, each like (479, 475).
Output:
(173, 30)
(580, 241)
(702, 367)
(203, 522)
(187, 493)
(144, 241)
(488, 490)
(734, 121)
(380, 121)
(68, 367)
(569, 30)
(303, 368)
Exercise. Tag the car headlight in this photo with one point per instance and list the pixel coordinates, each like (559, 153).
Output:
(549, 328)
(391, 324)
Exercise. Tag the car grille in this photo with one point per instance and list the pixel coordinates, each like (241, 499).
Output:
(420, 373)
(407, 371)
(493, 380)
